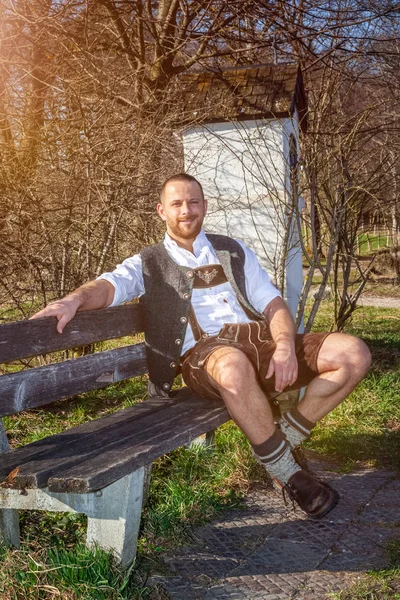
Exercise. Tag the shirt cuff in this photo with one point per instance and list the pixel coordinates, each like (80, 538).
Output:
(110, 279)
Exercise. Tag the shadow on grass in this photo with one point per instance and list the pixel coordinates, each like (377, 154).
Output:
(385, 358)
(349, 450)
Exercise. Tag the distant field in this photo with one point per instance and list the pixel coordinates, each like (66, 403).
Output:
(369, 242)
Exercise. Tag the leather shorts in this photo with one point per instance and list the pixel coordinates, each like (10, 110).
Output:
(254, 340)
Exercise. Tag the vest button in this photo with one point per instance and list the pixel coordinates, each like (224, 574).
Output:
(173, 365)
(183, 320)
(178, 342)
(189, 274)
(166, 386)
(186, 296)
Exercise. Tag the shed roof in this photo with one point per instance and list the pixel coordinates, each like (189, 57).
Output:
(243, 93)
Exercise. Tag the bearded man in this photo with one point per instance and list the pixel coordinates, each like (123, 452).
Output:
(212, 312)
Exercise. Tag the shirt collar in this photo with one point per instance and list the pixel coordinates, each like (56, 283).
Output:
(199, 243)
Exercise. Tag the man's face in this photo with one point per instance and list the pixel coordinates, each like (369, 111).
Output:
(183, 209)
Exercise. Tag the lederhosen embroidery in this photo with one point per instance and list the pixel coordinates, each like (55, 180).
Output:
(209, 276)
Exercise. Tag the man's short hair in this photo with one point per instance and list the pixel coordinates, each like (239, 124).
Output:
(180, 177)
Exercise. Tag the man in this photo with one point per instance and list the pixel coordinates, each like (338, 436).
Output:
(212, 311)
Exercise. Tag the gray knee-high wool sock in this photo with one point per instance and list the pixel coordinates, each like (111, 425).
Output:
(276, 456)
(296, 427)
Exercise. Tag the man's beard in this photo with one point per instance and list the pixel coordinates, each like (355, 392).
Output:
(180, 231)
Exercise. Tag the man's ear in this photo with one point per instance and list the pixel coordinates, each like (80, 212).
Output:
(161, 211)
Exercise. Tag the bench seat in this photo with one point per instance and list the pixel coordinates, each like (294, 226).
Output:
(91, 456)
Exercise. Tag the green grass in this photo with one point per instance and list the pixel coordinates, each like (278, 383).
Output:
(70, 574)
(379, 327)
(368, 243)
(190, 486)
(385, 287)
(365, 429)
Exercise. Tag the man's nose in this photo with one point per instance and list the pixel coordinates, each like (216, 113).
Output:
(185, 210)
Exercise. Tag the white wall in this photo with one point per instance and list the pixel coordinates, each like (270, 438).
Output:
(243, 169)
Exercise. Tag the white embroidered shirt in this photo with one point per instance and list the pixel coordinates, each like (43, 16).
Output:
(213, 306)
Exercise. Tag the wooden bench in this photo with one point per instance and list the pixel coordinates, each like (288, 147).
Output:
(98, 468)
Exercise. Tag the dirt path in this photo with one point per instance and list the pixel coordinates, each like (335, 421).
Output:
(379, 301)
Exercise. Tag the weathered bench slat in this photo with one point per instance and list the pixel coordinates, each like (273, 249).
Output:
(91, 462)
(39, 336)
(36, 473)
(43, 385)
(118, 459)
(49, 447)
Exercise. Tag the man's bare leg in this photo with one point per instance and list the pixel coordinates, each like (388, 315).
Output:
(343, 361)
(233, 374)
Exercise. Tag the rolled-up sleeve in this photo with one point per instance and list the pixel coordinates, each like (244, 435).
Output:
(260, 290)
(127, 279)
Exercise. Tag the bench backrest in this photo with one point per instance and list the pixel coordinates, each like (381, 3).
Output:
(42, 385)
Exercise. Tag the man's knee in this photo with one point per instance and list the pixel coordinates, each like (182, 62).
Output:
(357, 358)
(230, 369)
(341, 350)
(364, 356)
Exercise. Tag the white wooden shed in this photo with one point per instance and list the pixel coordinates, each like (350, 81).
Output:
(242, 146)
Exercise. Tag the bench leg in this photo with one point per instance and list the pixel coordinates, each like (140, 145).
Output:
(9, 518)
(113, 522)
(9, 527)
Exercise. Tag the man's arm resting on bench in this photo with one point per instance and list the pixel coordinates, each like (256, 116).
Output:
(93, 295)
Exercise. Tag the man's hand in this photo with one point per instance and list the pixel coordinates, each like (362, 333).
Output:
(64, 309)
(284, 365)
(284, 361)
(92, 295)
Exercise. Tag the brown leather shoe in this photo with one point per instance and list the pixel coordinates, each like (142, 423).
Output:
(315, 497)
